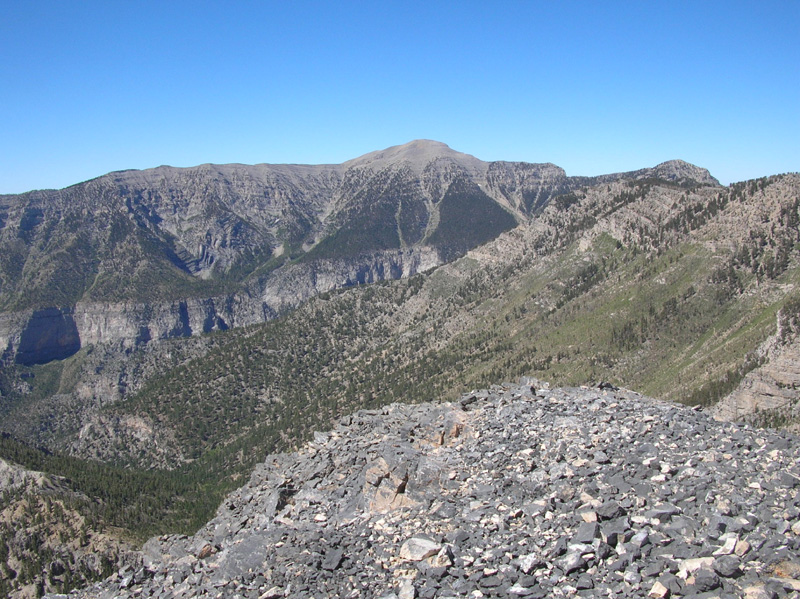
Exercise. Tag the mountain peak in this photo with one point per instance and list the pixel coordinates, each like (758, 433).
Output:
(678, 170)
(417, 154)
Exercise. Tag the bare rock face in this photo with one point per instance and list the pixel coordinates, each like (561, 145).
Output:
(772, 389)
(769, 395)
(13, 476)
(299, 282)
(525, 187)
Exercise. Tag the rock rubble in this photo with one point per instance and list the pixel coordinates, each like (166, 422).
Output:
(516, 491)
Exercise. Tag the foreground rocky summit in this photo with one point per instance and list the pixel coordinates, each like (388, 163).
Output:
(517, 491)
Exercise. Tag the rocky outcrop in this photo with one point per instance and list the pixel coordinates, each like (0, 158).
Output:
(679, 171)
(769, 394)
(46, 545)
(13, 476)
(106, 437)
(770, 391)
(675, 171)
(516, 491)
(299, 282)
(526, 188)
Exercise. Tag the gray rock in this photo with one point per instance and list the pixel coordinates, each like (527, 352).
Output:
(498, 509)
(705, 580)
(584, 582)
(727, 566)
(586, 533)
(609, 510)
(333, 559)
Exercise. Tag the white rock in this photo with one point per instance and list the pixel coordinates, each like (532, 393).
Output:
(406, 589)
(272, 593)
(728, 547)
(528, 562)
(694, 564)
(518, 589)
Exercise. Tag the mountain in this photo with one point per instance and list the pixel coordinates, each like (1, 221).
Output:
(683, 293)
(98, 352)
(138, 255)
(660, 280)
(516, 491)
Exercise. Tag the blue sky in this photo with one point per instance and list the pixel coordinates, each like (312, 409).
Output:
(89, 87)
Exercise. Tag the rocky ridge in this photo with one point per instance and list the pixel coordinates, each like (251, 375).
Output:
(13, 476)
(515, 491)
(134, 256)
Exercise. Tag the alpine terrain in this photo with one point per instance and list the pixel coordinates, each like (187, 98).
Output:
(162, 331)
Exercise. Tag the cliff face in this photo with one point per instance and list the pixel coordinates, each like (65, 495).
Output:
(769, 395)
(39, 336)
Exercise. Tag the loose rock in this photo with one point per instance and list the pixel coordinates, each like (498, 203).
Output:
(595, 491)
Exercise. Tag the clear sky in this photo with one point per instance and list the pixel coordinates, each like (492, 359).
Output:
(88, 87)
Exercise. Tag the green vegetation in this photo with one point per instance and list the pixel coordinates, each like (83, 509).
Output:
(140, 502)
(673, 322)
(663, 300)
(379, 216)
(467, 218)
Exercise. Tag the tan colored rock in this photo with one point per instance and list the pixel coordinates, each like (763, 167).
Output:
(757, 591)
(689, 566)
(206, 550)
(390, 492)
(742, 547)
(773, 386)
(787, 569)
(272, 593)
(440, 560)
(659, 591)
(417, 549)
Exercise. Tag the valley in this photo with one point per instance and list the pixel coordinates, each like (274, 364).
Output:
(233, 311)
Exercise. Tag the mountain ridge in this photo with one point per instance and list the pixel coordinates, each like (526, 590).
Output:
(221, 235)
(419, 152)
(684, 291)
